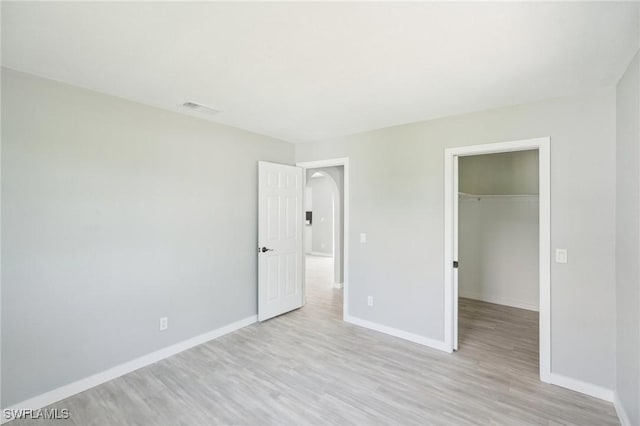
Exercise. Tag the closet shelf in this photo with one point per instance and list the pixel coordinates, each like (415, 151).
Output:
(467, 195)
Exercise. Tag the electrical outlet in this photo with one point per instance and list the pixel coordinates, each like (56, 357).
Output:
(561, 256)
(164, 323)
(370, 300)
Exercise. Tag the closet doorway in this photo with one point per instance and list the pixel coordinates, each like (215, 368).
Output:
(497, 246)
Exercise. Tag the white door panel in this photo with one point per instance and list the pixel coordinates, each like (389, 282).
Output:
(280, 248)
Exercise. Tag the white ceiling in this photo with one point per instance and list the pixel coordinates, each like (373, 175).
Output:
(311, 71)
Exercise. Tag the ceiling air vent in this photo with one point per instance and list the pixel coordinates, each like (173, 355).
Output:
(200, 108)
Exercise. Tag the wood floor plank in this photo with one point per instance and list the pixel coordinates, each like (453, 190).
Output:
(310, 368)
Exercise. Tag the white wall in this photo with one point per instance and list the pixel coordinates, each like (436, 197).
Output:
(504, 173)
(499, 232)
(628, 241)
(322, 225)
(115, 214)
(396, 179)
(498, 250)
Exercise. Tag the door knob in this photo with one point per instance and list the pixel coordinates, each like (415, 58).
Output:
(264, 249)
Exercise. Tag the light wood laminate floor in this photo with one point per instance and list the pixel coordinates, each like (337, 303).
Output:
(310, 367)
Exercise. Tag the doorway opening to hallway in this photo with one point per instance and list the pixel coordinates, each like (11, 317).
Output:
(324, 232)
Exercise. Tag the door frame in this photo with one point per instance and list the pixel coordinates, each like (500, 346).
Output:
(543, 146)
(345, 234)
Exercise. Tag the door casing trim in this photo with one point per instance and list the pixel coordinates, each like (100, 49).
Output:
(543, 145)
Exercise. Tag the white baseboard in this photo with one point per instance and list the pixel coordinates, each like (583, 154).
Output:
(502, 301)
(336, 285)
(622, 413)
(82, 385)
(435, 344)
(555, 379)
(582, 387)
(317, 253)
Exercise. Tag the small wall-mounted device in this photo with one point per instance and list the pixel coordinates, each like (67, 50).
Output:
(561, 256)
(308, 216)
(164, 323)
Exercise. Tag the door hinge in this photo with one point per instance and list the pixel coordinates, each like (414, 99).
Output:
(455, 263)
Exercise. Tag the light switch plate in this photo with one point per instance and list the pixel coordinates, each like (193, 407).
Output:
(561, 256)
(363, 238)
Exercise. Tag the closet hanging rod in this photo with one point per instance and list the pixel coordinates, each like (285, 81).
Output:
(467, 195)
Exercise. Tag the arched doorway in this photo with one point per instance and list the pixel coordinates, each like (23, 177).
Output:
(323, 233)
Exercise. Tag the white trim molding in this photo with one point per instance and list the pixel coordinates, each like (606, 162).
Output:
(582, 387)
(82, 385)
(319, 254)
(620, 411)
(415, 338)
(345, 234)
(543, 145)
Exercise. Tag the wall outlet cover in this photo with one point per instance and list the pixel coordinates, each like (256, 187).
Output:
(164, 323)
(561, 256)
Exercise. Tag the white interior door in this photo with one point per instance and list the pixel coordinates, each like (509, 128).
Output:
(280, 248)
(456, 198)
